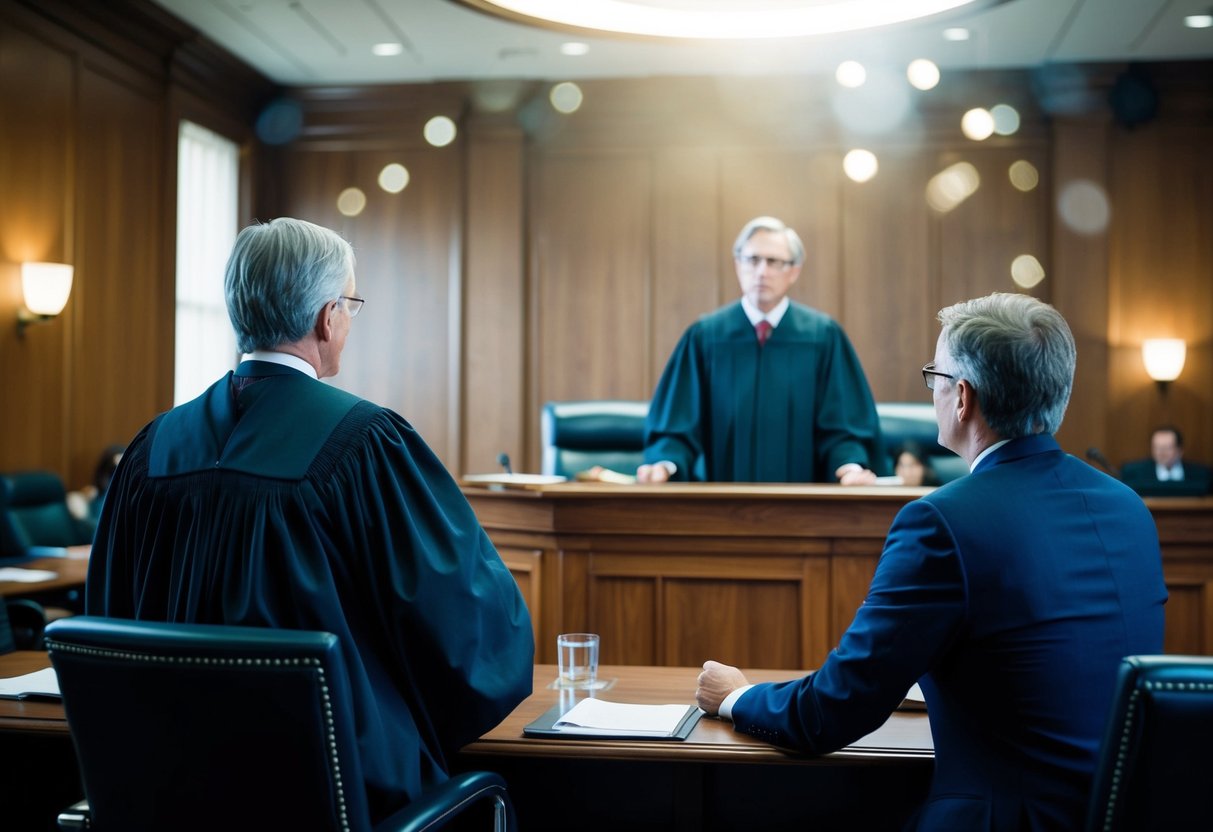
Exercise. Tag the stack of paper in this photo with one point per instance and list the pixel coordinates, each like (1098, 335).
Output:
(39, 683)
(599, 717)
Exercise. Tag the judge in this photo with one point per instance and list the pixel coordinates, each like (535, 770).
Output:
(1166, 473)
(764, 389)
(275, 500)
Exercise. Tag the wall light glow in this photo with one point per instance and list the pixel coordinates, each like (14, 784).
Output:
(977, 124)
(952, 186)
(850, 74)
(351, 202)
(394, 178)
(860, 165)
(566, 97)
(1026, 271)
(1023, 175)
(923, 74)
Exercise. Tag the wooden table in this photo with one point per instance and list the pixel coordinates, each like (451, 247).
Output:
(716, 779)
(70, 573)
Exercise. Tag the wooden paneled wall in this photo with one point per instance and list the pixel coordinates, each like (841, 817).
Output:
(560, 257)
(90, 98)
(545, 256)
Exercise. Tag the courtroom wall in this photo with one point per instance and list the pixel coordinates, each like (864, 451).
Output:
(547, 256)
(544, 256)
(90, 98)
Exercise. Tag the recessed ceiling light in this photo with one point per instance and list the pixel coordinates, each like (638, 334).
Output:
(387, 50)
(956, 33)
(1198, 21)
(717, 20)
(574, 48)
(923, 74)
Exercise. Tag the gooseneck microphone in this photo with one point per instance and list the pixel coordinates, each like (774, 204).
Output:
(503, 459)
(1095, 455)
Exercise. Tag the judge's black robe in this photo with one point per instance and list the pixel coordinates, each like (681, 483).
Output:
(794, 410)
(294, 504)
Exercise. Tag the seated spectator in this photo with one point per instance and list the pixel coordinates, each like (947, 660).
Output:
(1167, 473)
(85, 504)
(911, 464)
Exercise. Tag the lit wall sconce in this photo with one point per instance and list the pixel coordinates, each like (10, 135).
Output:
(46, 287)
(1164, 359)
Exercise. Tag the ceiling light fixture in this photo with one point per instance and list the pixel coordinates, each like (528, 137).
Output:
(1198, 21)
(574, 48)
(719, 19)
(956, 34)
(387, 50)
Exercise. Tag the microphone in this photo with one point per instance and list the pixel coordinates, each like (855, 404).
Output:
(1096, 455)
(503, 459)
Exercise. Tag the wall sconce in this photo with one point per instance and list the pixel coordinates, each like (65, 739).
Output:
(46, 287)
(1164, 359)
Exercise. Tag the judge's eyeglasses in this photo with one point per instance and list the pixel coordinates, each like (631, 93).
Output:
(928, 375)
(753, 261)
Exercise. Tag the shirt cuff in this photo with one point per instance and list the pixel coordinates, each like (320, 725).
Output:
(670, 467)
(726, 707)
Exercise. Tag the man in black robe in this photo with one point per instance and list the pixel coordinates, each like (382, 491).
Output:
(276, 500)
(763, 390)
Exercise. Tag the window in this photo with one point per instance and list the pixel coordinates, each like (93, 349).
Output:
(208, 172)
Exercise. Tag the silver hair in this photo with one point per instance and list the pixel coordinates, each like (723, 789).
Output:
(1019, 355)
(279, 276)
(775, 227)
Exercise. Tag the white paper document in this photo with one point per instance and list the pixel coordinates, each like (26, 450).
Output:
(597, 716)
(39, 683)
(26, 576)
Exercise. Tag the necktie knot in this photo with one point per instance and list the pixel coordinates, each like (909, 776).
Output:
(763, 329)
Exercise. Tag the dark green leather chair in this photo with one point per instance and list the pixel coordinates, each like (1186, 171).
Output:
(210, 727)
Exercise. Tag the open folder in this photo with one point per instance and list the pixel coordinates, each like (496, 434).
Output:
(592, 718)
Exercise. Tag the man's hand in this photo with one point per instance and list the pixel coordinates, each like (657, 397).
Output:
(716, 682)
(855, 474)
(652, 473)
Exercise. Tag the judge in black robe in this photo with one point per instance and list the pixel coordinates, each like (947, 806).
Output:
(276, 500)
(791, 406)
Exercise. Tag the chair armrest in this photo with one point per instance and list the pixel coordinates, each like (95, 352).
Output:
(76, 816)
(441, 804)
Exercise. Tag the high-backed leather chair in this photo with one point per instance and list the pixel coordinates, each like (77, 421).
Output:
(209, 727)
(577, 435)
(1155, 770)
(34, 513)
(902, 422)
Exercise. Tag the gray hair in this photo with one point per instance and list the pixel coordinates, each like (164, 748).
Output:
(1018, 354)
(775, 227)
(279, 277)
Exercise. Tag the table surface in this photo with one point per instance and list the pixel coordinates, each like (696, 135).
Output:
(905, 736)
(70, 572)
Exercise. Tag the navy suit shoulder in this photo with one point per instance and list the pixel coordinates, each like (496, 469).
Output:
(1010, 595)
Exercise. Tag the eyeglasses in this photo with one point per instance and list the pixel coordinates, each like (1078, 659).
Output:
(773, 263)
(928, 375)
(352, 305)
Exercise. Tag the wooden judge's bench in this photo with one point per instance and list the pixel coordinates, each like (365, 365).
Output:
(752, 575)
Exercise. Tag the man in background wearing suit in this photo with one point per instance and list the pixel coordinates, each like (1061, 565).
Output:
(1010, 595)
(763, 390)
(1166, 473)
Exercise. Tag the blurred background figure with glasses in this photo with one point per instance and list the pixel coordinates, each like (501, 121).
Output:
(764, 389)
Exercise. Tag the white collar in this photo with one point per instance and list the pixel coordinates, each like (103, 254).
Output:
(283, 358)
(755, 314)
(987, 452)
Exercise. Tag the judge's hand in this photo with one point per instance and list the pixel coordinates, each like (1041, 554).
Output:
(652, 473)
(716, 682)
(855, 474)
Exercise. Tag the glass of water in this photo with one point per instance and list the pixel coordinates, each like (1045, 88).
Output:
(577, 657)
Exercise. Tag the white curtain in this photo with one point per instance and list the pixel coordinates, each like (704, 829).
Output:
(208, 172)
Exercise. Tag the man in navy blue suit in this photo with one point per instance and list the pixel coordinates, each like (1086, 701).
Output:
(1010, 595)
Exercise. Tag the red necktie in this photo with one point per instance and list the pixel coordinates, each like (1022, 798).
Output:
(763, 328)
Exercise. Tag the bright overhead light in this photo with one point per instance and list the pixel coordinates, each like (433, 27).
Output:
(574, 48)
(851, 74)
(1198, 21)
(712, 19)
(923, 74)
(387, 50)
(956, 33)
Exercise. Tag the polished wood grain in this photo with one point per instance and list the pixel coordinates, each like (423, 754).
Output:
(754, 575)
(29, 715)
(906, 735)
